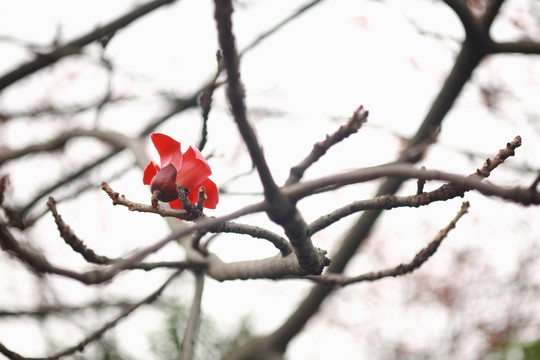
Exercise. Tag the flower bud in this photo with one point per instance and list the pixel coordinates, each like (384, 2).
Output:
(163, 185)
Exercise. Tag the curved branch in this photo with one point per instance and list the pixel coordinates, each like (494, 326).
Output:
(115, 139)
(419, 259)
(465, 63)
(226, 227)
(521, 195)
(74, 46)
(471, 25)
(99, 332)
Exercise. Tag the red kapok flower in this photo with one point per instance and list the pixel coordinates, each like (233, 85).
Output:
(189, 170)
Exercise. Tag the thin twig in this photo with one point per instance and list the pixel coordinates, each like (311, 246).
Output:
(419, 259)
(47, 310)
(115, 139)
(190, 333)
(205, 101)
(226, 227)
(73, 240)
(99, 332)
(75, 45)
(320, 148)
(444, 192)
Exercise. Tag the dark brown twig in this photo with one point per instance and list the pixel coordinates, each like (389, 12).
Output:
(320, 148)
(419, 259)
(205, 101)
(73, 240)
(420, 184)
(99, 332)
(118, 199)
(74, 46)
(444, 192)
(225, 227)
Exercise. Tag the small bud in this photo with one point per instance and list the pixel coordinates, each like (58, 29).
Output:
(163, 184)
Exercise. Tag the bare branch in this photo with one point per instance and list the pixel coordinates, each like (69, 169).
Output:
(471, 25)
(47, 310)
(118, 199)
(419, 259)
(279, 25)
(254, 231)
(72, 240)
(518, 47)
(516, 194)
(205, 101)
(444, 192)
(116, 140)
(226, 227)
(492, 9)
(320, 148)
(236, 95)
(190, 333)
(74, 46)
(274, 267)
(76, 175)
(99, 332)
(281, 210)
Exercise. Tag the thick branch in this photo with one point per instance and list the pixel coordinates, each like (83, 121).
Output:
(281, 210)
(235, 94)
(471, 25)
(467, 60)
(270, 268)
(517, 47)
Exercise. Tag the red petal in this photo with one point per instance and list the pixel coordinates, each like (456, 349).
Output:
(169, 150)
(194, 170)
(151, 170)
(211, 191)
(212, 194)
(176, 204)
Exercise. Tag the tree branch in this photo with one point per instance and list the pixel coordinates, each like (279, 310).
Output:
(75, 45)
(190, 333)
(99, 332)
(517, 47)
(116, 140)
(236, 94)
(419, 259)
(471, 25)
(280, 210)
(467, 60)
(226, 227)
(274, 267)
(320, 148)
